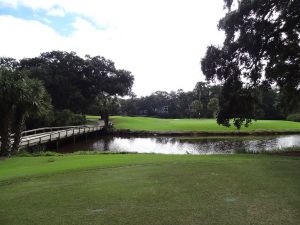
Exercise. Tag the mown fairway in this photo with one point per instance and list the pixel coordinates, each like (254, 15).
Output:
(155, 124)
(150, 189)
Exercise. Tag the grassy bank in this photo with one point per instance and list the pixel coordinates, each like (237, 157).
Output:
(201, 125)
(150, 189)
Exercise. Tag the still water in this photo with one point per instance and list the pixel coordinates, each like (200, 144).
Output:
(184, 145)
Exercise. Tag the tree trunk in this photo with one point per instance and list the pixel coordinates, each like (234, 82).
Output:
(106, 120)
(18, 131)
(5, 132)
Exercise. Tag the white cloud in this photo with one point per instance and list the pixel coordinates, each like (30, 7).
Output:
(56, 12)
(46, 20)
(21, 38)
(161, 42)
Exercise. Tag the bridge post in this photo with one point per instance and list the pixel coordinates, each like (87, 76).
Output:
(74, 139)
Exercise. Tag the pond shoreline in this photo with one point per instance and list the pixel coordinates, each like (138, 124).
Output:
(287, 153)
(145, 133)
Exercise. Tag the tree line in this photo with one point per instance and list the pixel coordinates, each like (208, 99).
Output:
(201, 102)
(38, 91)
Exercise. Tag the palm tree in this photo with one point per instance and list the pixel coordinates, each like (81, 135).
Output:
(20, 96)
(8, 90)
(32, 99)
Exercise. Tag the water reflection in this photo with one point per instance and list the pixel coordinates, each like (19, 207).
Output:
(167, 145)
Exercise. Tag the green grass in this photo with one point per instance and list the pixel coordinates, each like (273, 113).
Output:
(91, 117)
(150, 189)
(205, 125)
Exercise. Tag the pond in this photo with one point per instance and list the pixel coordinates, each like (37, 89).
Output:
(184, 145)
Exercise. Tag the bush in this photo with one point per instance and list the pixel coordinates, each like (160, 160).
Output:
(37, 121)
(68, 118)
(294, 117)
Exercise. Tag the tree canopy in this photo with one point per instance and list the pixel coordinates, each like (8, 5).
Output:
(74, 82)
(179, 104)
(261, 48)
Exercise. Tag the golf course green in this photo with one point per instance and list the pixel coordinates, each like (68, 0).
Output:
(140, 189)
(202, 125)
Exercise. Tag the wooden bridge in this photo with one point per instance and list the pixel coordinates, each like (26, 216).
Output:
(51, 134)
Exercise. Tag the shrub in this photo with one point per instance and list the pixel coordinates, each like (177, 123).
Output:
(56, 118)
(294, 117)
(68, 118)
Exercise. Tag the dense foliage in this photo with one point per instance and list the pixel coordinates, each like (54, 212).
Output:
(66, 118)
(261, 48)
(20, 97)
(294, 117)
(74, 82)
(202, 102)
(179, 104)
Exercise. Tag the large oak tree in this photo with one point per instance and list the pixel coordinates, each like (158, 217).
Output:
(74, 82)
(262, 48)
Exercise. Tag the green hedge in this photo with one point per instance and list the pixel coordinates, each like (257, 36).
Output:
(294, 117)
(68, 118)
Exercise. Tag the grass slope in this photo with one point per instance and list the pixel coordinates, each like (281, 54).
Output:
(155, 124)
(150, 189)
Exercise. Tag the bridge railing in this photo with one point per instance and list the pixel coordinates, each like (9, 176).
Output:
(48, 129)
(49, 134)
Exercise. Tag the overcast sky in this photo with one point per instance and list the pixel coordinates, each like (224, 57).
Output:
(160, 41)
